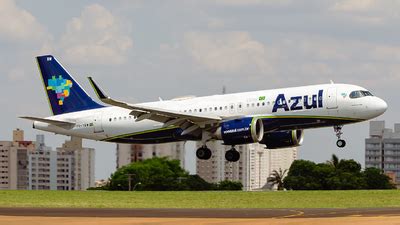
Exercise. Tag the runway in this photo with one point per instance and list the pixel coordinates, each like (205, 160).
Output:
(201, 213)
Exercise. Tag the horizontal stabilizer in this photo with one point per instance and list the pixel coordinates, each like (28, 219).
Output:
(58, 123)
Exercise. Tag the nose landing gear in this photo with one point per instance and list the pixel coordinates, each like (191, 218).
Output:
(338, 130)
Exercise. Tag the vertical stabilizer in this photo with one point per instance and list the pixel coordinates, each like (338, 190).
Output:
(65, 95)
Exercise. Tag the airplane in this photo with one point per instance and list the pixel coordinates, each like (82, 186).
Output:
(275, 118)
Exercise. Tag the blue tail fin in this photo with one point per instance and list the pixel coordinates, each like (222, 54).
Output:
(64, 93)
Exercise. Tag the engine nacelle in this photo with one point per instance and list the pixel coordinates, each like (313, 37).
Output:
(283, 139)
(241, 131)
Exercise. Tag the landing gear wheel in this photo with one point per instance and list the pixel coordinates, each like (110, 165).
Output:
(341, 143)
(232, 155)
(203, 153)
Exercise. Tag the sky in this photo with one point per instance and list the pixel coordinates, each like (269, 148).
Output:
(142, 50)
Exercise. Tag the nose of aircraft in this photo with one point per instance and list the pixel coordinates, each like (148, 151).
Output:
(380, 106)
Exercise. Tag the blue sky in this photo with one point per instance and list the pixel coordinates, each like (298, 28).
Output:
(142, 50)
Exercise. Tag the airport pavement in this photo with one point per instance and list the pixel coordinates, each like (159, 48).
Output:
(202, 213)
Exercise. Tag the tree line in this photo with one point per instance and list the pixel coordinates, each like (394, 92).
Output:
(162, 174)
(344, 174)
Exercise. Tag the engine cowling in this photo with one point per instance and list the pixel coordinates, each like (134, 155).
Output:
(241, 131)
(283, 139)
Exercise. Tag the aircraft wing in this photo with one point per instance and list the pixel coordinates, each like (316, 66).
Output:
(58, 123)
(168, 117)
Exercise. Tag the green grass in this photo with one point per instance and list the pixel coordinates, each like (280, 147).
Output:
(226, 199)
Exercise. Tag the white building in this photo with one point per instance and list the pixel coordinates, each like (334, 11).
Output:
(78, 162)
(252, 170)
(27, 165)
(14, 172)
(382, 149)
(128, 153)
(42, 166)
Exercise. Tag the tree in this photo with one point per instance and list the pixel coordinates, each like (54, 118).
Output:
(301, 176)
(196, 183)
(334, 161)
(376, 179)
(344, 174)
(154, 174)
(349, 165)
(276, 178)
(229, 185)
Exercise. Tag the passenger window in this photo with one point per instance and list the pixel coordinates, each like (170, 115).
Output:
(220, 108)
(258, 104)
(215, 108)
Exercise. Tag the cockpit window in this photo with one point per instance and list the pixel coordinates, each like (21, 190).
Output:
(359, 94)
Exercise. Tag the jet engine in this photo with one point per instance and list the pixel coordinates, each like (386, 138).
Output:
(241, 131)
(283, 139)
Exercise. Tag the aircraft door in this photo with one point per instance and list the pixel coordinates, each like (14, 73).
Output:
(98, 123)
(331, 98)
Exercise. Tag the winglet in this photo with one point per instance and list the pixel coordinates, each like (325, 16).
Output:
(100, 94)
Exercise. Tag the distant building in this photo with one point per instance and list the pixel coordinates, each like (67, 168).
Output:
(76, 165)
(42, 166)
(14, 172)
(252, 170)
(27, 165)
(128, 153)
(382, 149)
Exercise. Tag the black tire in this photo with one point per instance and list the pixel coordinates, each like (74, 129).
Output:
(208, 154)
(201, 153)
(232, 155)
(341, 143)
(236, 156)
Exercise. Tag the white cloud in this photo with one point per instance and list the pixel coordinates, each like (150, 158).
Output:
(370, 12)
(253, 2)
(226, 52)
(355, 5)
(96, 37)
(17, 24)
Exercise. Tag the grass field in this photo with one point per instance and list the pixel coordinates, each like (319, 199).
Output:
(288, 199)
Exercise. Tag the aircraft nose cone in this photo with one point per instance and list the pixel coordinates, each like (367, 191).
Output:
(381, 106)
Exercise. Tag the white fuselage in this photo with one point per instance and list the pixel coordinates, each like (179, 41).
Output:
(328, 102)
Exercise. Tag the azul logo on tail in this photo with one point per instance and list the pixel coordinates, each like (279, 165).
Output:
(60, 86)
(298, 102)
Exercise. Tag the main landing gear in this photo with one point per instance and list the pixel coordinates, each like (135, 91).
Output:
(340, 142)
(232, 155)
(203, 153)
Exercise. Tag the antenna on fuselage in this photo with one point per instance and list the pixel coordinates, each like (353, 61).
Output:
(332, 82)
(223, 90)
